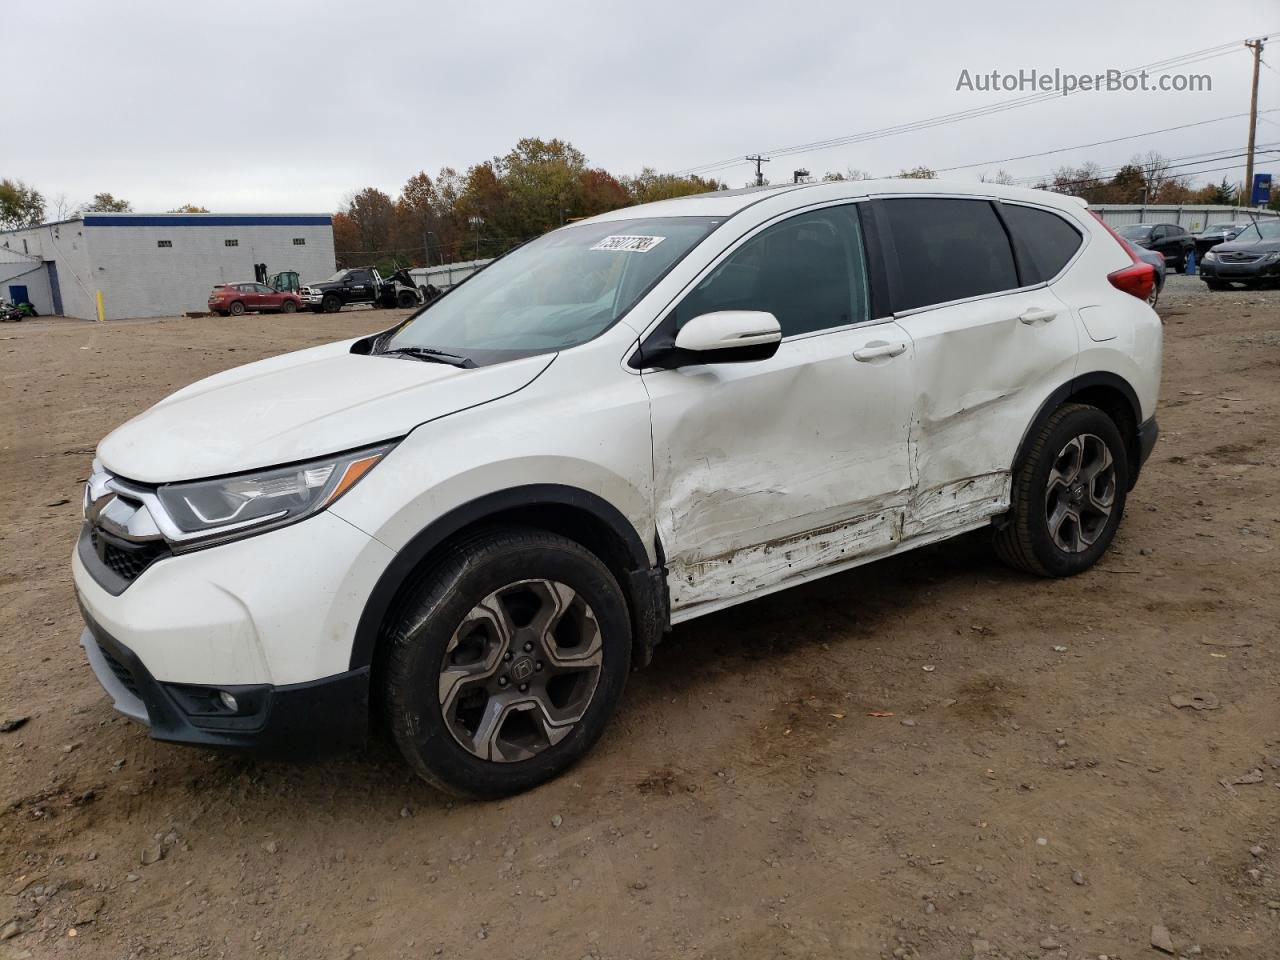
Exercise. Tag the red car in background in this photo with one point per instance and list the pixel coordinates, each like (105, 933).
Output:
(238, 298)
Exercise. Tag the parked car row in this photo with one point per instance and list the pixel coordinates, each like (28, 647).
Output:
(1245, 253)
(354, 285)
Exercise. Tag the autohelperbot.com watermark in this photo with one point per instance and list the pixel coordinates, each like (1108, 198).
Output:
(1065, 82)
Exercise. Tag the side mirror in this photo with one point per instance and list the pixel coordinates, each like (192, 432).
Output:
(728, 336)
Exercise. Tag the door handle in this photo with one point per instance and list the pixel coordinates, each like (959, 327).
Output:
(1034, 315)
(879, 350)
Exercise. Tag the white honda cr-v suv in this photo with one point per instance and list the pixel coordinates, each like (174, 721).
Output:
(474, 524)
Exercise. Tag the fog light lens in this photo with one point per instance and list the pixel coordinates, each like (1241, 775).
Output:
(228, 701)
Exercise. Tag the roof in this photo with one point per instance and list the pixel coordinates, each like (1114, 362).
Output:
(725, 203)
(188, 220)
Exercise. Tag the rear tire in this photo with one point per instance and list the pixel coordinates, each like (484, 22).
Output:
(237, 309)
(1068, 494)
(406, 299)
(533, 633)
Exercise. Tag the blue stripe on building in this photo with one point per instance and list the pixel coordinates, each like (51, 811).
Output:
(208, 220)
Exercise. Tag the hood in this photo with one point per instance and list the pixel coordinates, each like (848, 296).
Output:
(296, 407)
(1249, 246)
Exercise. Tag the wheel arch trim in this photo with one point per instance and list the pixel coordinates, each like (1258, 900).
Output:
(1073, 387)
(643, 576)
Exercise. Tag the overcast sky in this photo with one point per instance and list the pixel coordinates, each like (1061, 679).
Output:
(291, 106)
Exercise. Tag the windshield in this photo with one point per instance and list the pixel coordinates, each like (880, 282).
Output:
(1138, 231)
(1262, 230)
(336, 277)
(555, 292)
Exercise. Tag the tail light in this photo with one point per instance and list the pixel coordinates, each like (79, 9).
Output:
(1139, 278)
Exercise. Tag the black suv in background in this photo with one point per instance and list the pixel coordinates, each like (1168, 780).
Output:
(362, 285)
(1167, 239)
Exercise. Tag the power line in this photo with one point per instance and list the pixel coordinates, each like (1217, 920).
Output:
(1186, 59)
(1171, 164)
(1101, 143)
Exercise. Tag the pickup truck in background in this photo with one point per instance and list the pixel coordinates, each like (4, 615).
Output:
(361, 285)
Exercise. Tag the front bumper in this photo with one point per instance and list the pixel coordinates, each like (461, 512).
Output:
(1221, 270)
(298, 719)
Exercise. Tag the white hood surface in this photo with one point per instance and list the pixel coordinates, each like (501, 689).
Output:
(297, 407)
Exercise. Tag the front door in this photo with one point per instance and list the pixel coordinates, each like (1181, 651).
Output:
(766, 473)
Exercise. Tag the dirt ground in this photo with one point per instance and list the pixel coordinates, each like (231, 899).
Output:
(929, 757)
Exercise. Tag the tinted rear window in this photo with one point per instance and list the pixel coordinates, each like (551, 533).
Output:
(947, 250)
(1044, 241)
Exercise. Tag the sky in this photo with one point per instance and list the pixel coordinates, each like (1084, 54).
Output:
(292, 106)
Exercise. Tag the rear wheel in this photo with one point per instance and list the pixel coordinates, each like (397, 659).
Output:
(1068, 494)
(237, 308)
(506, 660)
(406, 299)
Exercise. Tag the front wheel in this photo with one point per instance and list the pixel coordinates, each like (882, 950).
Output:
(1068, 494)
(331, 303)
(1216, 285)
(288, 307)
(505, 661)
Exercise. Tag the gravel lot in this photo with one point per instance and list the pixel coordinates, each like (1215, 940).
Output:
(929, 757)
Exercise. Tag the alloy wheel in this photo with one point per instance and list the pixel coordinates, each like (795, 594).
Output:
(520, 670)
(1080, 493)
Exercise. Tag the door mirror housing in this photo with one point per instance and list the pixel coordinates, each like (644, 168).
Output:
(729, 336)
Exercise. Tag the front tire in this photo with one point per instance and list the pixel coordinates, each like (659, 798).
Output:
(1216, 285)
(1068, 494)
(288, 307)
(331, 304)
(506, 659)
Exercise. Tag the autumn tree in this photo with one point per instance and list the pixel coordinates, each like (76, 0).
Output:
(106, 203)
(373, 214)
(918, 173)
(189, 208)
(650, 185)
(849, 173)
(20, 205)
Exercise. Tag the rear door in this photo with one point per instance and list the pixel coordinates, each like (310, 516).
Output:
(992, 341)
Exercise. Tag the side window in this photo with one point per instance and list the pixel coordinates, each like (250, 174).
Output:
(1044, 241)
(808, 271)
(947, 250)
(1160, 233)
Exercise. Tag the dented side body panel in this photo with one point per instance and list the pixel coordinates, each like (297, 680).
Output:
(982, 374)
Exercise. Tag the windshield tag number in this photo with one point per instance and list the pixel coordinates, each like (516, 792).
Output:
(628, 244)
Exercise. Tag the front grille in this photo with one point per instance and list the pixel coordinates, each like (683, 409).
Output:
(124, 559)
(122, 672)
(1239, 257)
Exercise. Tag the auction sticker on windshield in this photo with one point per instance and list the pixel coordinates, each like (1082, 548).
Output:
(629, 244)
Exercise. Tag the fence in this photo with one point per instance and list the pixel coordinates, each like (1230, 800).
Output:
(1191, 217)
(448, 275)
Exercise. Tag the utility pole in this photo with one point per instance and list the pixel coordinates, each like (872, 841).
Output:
(757, 160)
(1256, 47)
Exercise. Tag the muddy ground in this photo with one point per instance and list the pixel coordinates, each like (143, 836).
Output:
(929, 757)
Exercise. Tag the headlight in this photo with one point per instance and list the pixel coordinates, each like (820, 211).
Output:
(1210, 256)
(267, 498)
(1271, 257)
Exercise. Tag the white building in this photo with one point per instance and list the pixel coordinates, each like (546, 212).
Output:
(155, 265)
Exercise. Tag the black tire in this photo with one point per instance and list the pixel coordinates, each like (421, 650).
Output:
(237, 308)
(406, 299)
(331, 303)
(430, 612)
(1026, 540)
(1217, 285)
(288, 307)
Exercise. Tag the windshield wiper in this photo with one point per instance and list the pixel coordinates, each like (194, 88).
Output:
(434, 356)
